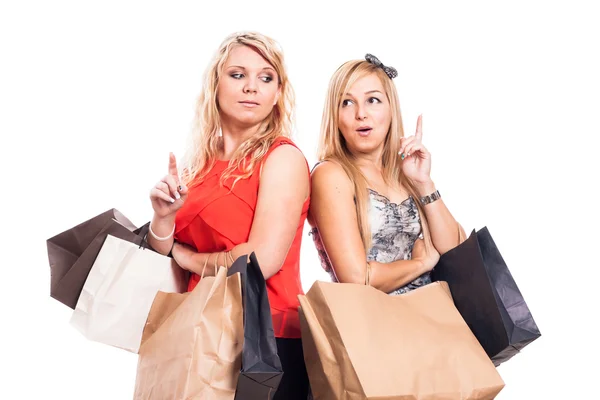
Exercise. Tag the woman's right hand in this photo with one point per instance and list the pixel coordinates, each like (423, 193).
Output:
(428, 258)
(169, 194)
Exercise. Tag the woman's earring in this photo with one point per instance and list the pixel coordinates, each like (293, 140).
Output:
(220, 134)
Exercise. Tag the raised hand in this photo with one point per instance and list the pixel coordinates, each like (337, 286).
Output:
(416, 160)
(169, 194)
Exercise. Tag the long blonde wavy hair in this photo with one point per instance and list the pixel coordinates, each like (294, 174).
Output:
(332, 145)
(204, 142)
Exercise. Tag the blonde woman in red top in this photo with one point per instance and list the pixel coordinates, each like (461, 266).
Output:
(244, 187)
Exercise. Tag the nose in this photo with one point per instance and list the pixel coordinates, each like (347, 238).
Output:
(361, 112)
(250, 86)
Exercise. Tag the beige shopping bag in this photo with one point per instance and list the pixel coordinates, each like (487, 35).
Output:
(360, 343)
(192, 344)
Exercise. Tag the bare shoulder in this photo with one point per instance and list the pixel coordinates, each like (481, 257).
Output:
(286, 156)
(329, 176)
(285, 169)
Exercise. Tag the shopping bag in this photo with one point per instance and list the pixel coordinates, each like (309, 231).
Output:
(192, 345)
(72, 252)
(261, 370)
(117, 296)
(360, 343)
(487, 296)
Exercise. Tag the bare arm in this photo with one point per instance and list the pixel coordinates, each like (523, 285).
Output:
(446, 233)
(162, 227)
(167, 196)
(284, 186)
(334, 213)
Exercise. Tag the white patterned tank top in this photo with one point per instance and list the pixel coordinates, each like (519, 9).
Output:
(394, 229)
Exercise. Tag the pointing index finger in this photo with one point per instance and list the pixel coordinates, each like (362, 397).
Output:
(419, 132)
(173, 167)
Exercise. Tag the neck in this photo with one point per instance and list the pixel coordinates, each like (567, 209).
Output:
(370, 160)
(234, 136)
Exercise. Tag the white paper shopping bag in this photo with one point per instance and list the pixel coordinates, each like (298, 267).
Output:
(119, 291)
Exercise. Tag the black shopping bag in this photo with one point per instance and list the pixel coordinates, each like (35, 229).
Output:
(261, 368)
(487, 296)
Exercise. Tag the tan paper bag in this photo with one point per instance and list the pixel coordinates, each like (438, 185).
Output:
(360, 343)
(192, 343)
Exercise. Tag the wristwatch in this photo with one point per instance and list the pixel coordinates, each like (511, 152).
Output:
(430, 198)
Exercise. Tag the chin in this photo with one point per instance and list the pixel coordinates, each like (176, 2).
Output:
(362, 149)
(248, 120)
(366, 145)
(245, 117)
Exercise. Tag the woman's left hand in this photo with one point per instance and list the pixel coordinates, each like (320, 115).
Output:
(416, 160)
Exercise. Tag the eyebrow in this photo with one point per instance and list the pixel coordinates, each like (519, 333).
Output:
(369, 92)
(242, 67)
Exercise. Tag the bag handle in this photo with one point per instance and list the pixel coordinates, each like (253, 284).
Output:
(224, 259)
(204, 267)
(142, 232)
(216, 265)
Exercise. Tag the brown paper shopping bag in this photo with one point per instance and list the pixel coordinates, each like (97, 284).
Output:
(360, 343)
(192, 343)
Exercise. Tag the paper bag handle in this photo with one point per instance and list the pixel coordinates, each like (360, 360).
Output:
(216, 266)
(216, 263)
(204, 267)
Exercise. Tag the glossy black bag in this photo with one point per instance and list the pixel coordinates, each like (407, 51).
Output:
(487, 296)
(261, 370)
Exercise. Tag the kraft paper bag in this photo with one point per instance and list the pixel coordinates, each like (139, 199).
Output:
(360, 343)
(192, 344)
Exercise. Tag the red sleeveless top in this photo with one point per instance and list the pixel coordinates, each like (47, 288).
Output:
(216, 218)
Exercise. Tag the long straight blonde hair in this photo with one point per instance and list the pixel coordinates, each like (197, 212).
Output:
(204, 142)
(332, 145)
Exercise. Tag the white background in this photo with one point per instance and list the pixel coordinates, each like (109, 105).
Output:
(93, 96)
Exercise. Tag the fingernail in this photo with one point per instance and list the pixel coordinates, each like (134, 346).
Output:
(177, 196)
(172, 200)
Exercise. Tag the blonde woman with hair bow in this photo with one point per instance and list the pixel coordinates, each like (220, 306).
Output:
(376, 214)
